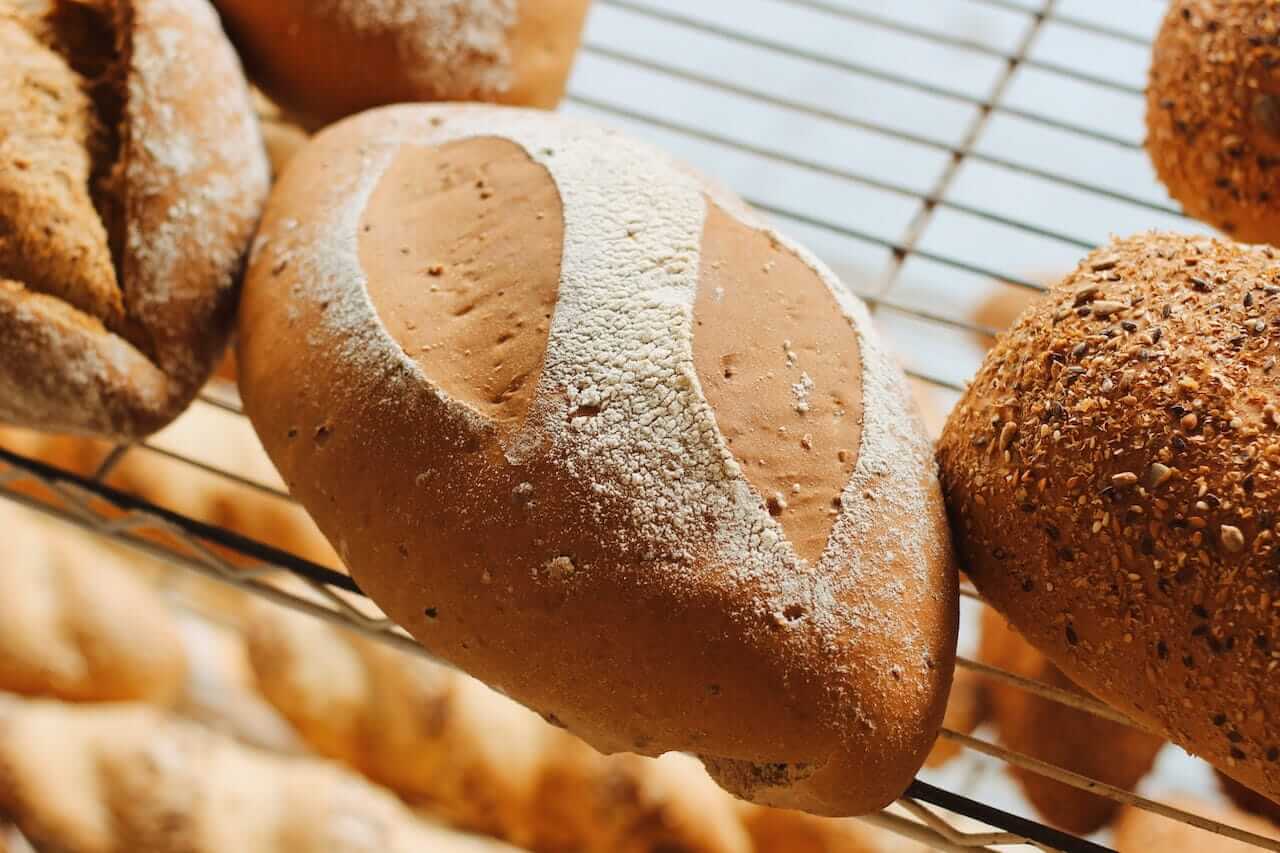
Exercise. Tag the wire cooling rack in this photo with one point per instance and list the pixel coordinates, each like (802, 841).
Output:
(945, 156)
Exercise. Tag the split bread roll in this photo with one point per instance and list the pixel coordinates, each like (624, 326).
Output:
(596, 435)
(1113, 479)
(132, 174)
(323, 61)
(1059, 735)
(76, 622)
(473, 758)
(1213, 114)
(125, 778)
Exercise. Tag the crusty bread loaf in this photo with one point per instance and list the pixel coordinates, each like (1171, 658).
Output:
(601, 438)
(1112, 477)
(475, 759)
(76, 623)
(1213, 114)
(1140, 831)
(326, 59)
(132, 175)
(968, 706)
(127, 778)
(1062, 736)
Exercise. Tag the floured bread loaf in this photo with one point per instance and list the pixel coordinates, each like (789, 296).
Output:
(326, 59)
(132, 174)
(595, 434)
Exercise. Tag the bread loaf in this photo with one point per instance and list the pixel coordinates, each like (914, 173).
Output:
(595, 434)
(75, 621)
(326, 59)
(475, 759)
(1213, 114)
(132, 175)
(1059, 735)
(1113, 479)
(127, 778)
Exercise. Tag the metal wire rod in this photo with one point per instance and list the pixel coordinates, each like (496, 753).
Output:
(615, 54)
(851, 67)
(1070, 21)
(960, 42)
(832, 171)
(1110, 792)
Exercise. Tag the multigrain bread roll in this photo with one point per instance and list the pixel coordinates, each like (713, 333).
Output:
(325, 59)
(473, 758)
(132, 175)
(1213, 114)
(1250, 801)
(1113, 479)
(126, 778)
(593, 433)
(1140, 831)
(1062, 736)
(76, 623)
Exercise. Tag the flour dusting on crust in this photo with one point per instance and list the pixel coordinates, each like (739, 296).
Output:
(457, 46)
(621, 348)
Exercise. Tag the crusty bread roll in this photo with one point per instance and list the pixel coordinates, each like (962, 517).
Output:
(127, 778)
(1213, 114)
(76, 623)
(473, 758)
(1059, 735)
(132, 175)
(1140, 831)
(609, 444)
(325, 59)
(1113, 484)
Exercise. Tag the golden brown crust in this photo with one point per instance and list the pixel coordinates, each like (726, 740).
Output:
(1062, 736)
(123, 778)
(76, 623)
(968, 706)
(475, 759)
(1112, 481)
(759, 361)
(133, 124)
(1250, 801)
(516, 52)
(1213, 114)
(487, 548)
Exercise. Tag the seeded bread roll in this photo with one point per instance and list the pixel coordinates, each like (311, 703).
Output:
(325, 59)
(1113, 479)
(1060, 735)
(595, 434)
(1250, 801)
(132, 175)
(1213, 114)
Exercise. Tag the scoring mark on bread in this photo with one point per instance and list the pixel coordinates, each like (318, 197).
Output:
(461, 244)
(780, 365)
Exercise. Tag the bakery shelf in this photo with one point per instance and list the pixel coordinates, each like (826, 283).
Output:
(939, 155)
